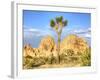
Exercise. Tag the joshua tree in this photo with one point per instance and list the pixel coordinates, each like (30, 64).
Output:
(58, 25)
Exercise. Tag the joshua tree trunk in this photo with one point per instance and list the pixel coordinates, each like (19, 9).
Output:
(58, 47)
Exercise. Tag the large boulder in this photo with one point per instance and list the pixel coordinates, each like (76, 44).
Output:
(47, 44)
(29, 51)
(74, 43)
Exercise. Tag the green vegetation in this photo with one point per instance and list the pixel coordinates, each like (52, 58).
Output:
(86, 58)
(30, 63)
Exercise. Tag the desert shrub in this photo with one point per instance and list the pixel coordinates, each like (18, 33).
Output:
(79, 53)
(86, 58)
(30, 57)
(28, 62)
(41, 60)
(38, 61)
(54, 60)
(74, 59)
(31, 62)
(63, 58)
(70, 52)
(50, 59)
(68, 56)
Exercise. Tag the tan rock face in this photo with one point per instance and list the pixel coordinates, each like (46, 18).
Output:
(77, 44)
(29, 51)
(47, 43)
(48, 47)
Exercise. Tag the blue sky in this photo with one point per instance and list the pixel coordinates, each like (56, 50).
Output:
(37, 25)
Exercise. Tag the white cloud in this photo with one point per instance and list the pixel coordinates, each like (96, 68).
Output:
(87, 35)
(30, 32)
(82, 31)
